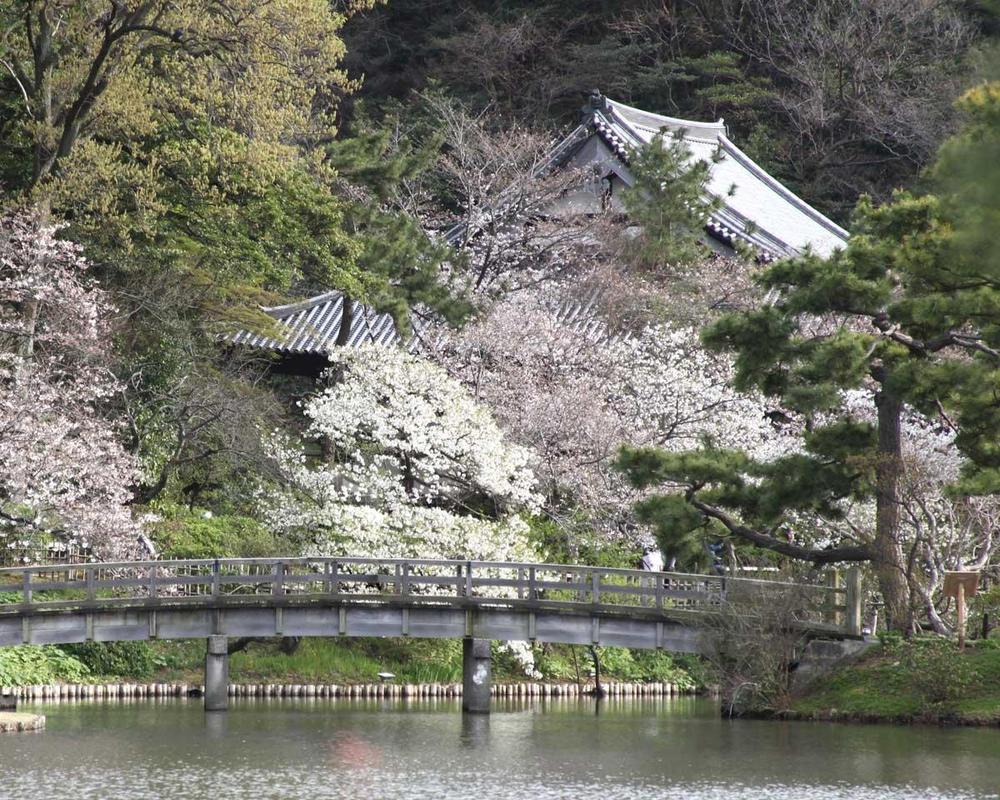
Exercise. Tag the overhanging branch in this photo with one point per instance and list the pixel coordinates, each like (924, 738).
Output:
(816, 556)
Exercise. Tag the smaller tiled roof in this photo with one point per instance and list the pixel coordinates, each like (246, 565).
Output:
(313, 326)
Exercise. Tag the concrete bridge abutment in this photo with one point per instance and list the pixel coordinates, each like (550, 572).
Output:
(476, 664)
(217, 674)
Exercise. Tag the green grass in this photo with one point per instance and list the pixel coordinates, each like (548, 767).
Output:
(318, 660)
(883, 686)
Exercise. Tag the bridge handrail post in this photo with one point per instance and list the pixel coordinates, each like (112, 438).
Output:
(278, 587)
(595, 586)
(532, 590)
(404, 579)
(215, 578)
(152, 582)
(852, 625)
(333, 584)
(830, 603)
(468, 579)
(26, 587)
(88, 582)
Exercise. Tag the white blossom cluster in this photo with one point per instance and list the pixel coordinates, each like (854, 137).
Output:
(420, 469)
(525, 657)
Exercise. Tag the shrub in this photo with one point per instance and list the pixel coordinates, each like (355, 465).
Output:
(936, 669)
(32, 664)
(192, 534)
(125, 659)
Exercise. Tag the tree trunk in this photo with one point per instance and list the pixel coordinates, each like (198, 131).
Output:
(346, 322)
(887, 552)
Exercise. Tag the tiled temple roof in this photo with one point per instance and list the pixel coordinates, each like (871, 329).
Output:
(313, 325)
(756, 208)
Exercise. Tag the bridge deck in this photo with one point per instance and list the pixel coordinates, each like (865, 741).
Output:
(386, 597)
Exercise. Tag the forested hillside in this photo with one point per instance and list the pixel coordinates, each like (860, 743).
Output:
(169, 168)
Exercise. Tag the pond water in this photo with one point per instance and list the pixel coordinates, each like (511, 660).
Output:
(634, 749)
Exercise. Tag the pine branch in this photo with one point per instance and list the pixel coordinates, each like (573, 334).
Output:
(816, 556)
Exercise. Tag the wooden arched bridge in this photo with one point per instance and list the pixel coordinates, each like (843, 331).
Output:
(473, 600)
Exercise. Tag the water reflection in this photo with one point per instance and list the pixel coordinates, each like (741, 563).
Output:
(553, 748)
(354, 752)
(475, 731)
(217, 724)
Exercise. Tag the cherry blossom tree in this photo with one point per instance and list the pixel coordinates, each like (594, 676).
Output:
(572, 369)
(63, 472)
(417, 468)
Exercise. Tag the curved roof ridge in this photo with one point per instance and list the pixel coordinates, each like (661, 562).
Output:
(732, 150)
(647, 119)
(300, 305)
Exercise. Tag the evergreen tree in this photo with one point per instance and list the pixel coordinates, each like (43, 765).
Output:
(669, 202)
(909, 311)
(398, 263)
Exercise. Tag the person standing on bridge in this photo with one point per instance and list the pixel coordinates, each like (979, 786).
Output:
(652, 560)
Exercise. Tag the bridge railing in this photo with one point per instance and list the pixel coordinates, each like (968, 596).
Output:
(285, 581)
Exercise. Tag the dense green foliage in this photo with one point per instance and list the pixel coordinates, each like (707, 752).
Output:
(33, 664)
(194, 534)
(115, 659)
(668, 205)
(420, 661)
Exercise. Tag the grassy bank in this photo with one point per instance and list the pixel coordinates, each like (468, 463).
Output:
(921, 681)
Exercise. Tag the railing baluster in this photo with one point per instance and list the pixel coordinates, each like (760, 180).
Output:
(215, 578)
(152, 582)
(532, 593)
(468, 579)
(278, 587)
(595, 587)
(88, 578)
(26, 587)
(404, 588)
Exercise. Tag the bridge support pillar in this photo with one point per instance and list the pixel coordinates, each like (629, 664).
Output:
(476, 675)
(217, 674)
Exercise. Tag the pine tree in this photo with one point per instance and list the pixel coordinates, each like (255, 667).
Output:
(399, 265)
(669, 203)
(909, 310)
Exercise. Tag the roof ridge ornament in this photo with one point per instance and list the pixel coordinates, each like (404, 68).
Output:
(596, 102)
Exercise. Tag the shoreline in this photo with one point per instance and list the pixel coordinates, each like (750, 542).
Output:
(930, 718)
(110, 691)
